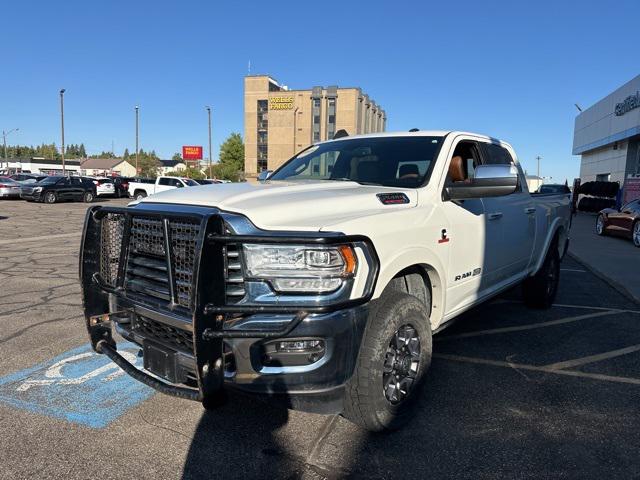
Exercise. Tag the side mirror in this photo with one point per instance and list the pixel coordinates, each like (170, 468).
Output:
(488, 181)
(264, 175)
(179, 185)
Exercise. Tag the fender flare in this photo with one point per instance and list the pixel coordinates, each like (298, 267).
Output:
(554, 229)
(425, 259)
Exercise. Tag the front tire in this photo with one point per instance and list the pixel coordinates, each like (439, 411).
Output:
(50, 197)
(600, 225)
(394, 357)
(635, 233)
(540, 290)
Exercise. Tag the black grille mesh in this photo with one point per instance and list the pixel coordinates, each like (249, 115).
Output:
(163, 333)
(184, 243)
(112, 228)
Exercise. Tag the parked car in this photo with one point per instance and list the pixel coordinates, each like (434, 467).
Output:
(324, 283)
(104, 185)
(553, 188)
(9, 188)
(624, 222)
(27, 177)
(208, 181)
(139, 190)
(57, 188)
(121, 185)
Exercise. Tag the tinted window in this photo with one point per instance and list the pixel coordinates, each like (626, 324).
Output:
(390, 161)
(76, 181)
(191, 183)
(49, 180)
(166, 181)
(497, 155)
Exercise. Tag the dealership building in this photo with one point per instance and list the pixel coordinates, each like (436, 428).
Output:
(279, 122)
(607, 136)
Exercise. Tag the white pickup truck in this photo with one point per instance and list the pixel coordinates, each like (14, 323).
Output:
(322, 285)
(139, 190)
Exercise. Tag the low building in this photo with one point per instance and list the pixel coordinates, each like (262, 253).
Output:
(279, 122)
(44, 166)
(534, 182)
(171, 166)
(607, 136)
(107, 167)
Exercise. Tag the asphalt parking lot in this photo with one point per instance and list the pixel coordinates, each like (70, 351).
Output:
(512, 393)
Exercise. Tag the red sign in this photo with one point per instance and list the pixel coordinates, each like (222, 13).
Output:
(631, 189)
(191, 152)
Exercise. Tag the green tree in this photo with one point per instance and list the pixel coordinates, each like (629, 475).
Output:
(177, 156)
(82, 153)
(148, 163)
(231, 164)
(125, 155)
(188, 172)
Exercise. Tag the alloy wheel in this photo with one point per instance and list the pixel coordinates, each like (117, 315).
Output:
(50, 197)
(636, 234)
(599, 225)
(401, 364)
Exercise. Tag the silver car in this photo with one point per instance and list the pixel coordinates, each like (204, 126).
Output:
(9, 188)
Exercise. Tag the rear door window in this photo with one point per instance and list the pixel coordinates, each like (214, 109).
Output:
(166, 181)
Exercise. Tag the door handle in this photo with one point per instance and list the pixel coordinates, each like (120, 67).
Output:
(530, 210)
(495, 215)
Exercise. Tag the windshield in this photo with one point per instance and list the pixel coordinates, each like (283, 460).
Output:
(49, 180)
(189, 182)
(389, 161)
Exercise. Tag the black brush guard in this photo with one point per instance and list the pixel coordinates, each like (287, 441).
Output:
(209, 301)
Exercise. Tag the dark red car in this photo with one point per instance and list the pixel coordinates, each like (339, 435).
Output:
(624, 222)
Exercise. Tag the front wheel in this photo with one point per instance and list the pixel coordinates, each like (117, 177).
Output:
(635, 235)
(394, 357)
(541, 289)
(50, 197)
(600, 229)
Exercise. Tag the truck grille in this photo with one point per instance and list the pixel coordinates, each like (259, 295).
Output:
(147, 274)
(234, 274)
(149, 268)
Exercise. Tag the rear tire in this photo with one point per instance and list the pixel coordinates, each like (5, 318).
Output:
(541, 289)
(50, 197)
(395, 354)
(600, 225)
(87, 197)
(139, 195)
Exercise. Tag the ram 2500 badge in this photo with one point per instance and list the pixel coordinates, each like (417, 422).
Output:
(323, 284)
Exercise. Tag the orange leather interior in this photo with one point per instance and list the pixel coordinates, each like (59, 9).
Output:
(456, 170)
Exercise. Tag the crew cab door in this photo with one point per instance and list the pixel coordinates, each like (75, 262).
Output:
(464, 236)
(165, 183)
(510, 225)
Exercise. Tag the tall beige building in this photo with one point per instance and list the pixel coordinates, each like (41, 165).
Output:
(279, 122)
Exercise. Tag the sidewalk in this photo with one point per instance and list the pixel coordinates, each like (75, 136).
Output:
(615, 259)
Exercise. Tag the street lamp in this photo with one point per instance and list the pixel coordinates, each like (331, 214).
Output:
(62, 126)
(209, 115)
(538, 158)
(4, 141)
(137, 150)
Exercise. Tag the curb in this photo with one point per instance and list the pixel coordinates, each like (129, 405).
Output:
(618, 286)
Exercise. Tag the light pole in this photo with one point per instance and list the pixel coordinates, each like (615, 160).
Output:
(295, 119)
(62, 127)
(209, 115)
(538, 158)
(4, 141)
(137, 151)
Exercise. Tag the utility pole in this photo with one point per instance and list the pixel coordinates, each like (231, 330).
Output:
(538, 158)
(209, 114)
(64, 172)
(137, 150)
(4, 141)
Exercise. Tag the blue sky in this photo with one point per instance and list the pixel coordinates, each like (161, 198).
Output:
(509, 69)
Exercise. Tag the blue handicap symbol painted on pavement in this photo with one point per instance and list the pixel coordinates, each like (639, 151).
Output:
(79, 386)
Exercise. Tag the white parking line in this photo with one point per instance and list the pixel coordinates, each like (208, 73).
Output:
(531, 326)
(593, 358)
(520, 366)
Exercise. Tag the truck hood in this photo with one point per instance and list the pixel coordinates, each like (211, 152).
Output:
(281, 205)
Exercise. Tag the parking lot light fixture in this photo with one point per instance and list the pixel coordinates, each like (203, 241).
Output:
(209, 114)
(137, 150)
(62, 127)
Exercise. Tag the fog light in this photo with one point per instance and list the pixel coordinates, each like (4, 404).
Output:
(300, 346)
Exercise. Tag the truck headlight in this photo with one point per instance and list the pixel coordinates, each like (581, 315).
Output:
(301, 268)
